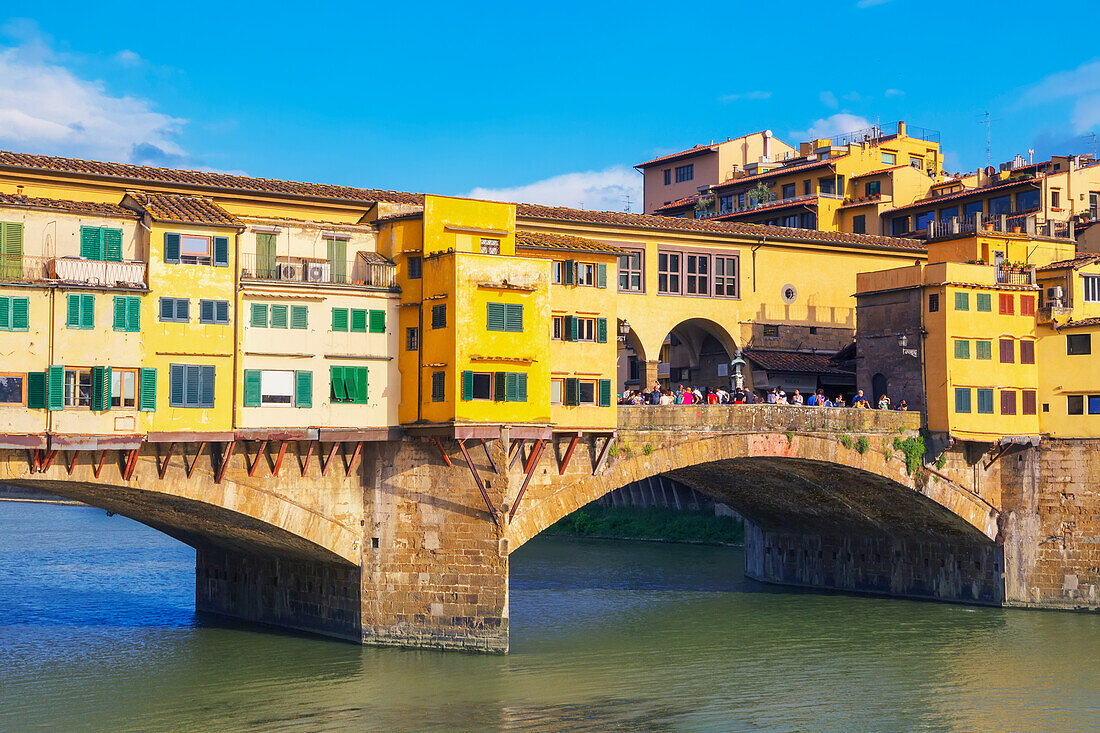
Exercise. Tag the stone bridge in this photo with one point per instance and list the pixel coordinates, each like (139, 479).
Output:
(405, 540)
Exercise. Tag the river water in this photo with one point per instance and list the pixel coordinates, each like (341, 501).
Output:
(98, 632)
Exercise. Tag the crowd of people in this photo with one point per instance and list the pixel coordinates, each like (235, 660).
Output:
(684, 395)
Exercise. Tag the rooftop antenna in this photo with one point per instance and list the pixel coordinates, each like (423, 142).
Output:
(1091, 137)
(628, 203)
(988, 137)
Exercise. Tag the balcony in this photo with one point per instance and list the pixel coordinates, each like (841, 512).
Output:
(72, 270)
(366, 269)
(1018, 222)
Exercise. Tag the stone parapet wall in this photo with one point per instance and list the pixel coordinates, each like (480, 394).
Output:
(765, 418)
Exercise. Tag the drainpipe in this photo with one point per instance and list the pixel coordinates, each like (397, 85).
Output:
(763, 240)
(236, 322)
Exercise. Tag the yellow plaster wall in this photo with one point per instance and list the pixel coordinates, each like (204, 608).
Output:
(1061, 375)
(26, 351)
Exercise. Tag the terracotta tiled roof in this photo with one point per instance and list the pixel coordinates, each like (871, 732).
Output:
(778, 172)
(679, 203)
(373, 258)
(1083, 323)
(706, 226)
(935, 202)
(682, 154)
(778, 204)
(183, 209)
(1082, 259)
(775, 360)
(89, 208)
(880, 171)
(541, 240)
(202, 179)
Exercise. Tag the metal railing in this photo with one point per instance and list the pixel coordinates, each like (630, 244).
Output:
(1019, 222)
(30, 268)
(1007, 275)
(300, 269)
(875, 132)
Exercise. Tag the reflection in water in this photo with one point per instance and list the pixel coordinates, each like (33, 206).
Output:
(97, 632)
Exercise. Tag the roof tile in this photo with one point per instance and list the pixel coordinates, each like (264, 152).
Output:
(91, 208)
(565, 242)
(775, 360)
(184, 209)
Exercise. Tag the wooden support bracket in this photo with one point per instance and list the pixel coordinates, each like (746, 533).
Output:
(256, 462)
(167, 458)
(50, 455)
(349, 464)
(97, 466)
(279, 459)
(446, 458)
(224, 464)
(514, 452)
(563, 463)
(536, 453)
(69, 466)
(493, 512)
(326, 462)
(601, 457)
(131, 463)
(190, 467)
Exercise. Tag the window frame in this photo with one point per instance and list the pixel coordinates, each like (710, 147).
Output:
(595, 386)
(1090, 288)
(71, 399)
(412, 338)
(216, 320)
(175, 310)
(490, 246)
(725, 278)
(203, 370)
(1078, 338)
(22, 377)
(981, 392)
(629, 272)
(685, 173)
(559, 383)
(209, 257)
(119, 372)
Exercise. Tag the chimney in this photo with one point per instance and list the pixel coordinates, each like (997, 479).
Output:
(901, 128)
(767, 144)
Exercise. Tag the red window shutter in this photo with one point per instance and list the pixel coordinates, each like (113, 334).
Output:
(1028, 402)
(1007, 308)
(1008, 402)
(1008, 351)
(1027, 305)
(1027, 352)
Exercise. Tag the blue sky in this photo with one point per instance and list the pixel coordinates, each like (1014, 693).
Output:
(542, 102)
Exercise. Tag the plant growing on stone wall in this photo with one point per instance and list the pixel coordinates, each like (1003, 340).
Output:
(941, 461)
(913, 449)
(846, 440)
(790, 437)
(887, 450)
(613, 451)
(647, 449)
(862, 444)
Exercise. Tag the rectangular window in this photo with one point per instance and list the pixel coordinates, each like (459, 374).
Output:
(101, 243)
(586, 392)
(1007, 304)
(859, 224)
(416, 268)
(439, 386)
(1055, 199)
(481, 385)
(11, 389)
(922, 220)
(788, 190)
(889, 158)
(337, 251)
(985, 402)
(280, 317)
(127, 313)
(770, 332)
(557, 329)
(1008, 351)
(685, 172)
(215, 312)
(1027, 305)
(348, 384)
(962, 301)
(1027, 352)
(259, 317)
(962, 400)
(80, 312)
(340, 319)
(177, 310)
(630, 272)
(697, 273)
(586, 273)
(972, 209)
(358, 320)
(984, 302)
(1027, 402)
(899, 225)
(194, 250)
(1027, 200)
(190, 385)
(299, 317)
(962, 349)
(504, 317)
(915, 162)
(949, 213)
(490, 246)
(265, 256)
(556, 269)
(124, 386)
(412, 339)
(78, 388)
(668, 273)
(439, 316)
(1078, 344)
(1000, 205)
(1092, 288)
(14, 313)
(872, 188)
(272, 387)
(1008, 402)
(668, 176)
(726, 277)
(933, 302)
(1094, 404)
(983, 349)
(725, 204)
(557, 390)
(586, 329)
(1075, 404)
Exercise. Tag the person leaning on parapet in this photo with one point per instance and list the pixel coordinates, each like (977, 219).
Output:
(860, 401)
(839, 401)
(797, 398)
(884, 403)
(903, 406)
(773, 396)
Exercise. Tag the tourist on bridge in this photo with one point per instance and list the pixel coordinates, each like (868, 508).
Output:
(884, 403)
(797, 399)
(839, 401)
(903, 406)
(860, 401)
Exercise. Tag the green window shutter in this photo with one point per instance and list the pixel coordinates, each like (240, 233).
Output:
(11, 250)
(601, 330)
(568, 268)
(983, 349)
(55, 387)
(500, 387)
(92, 244)
(378, 321)
(176, 392)
(172, 248)
(303, 389)
(101, 388)
(221, 251)
(962, 399)
(114, 245)
(601, 275)
(206, 389)
(336, 384)
(362, 391)
(259, 315)
(87, 312)
(36, 390)
(510, 388)
(605, 393)
(574, 327)
(20, 314)
(521, 387)
(338, 259)
(119, 323)
(572, 391)
(358, 320)
(985, 302)
(513, 317)
(299, 316)
(265, 256)
(962, 301)
(251, 387)
(206, 311)
(339, 319)
(221, 311)
(5, 314)
(467, 386)
(494, 317)
(72, 311)
(133, 314)
(278, 316)
(148, 379)
(962, 349)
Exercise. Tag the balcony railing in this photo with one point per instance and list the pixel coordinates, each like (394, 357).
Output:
(369, 271)
(1021, 222)
(771, 202)
(29, 268)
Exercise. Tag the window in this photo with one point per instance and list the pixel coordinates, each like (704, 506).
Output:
(685, 172)
(412, 339)
(11, 389)
(899, 225)
(985, 402)
(80, 312)
(984, 302)
(1006, 301)
(630, 272)
(1008, 402)
(439, 316)
(586, 392)
(962, 301)
(101, 243)
(872, 188)
(339, 318)
(933, 302)
(277, 388)
(1027, 402)
(889, 158)
(498, 386)
(1092, 288)
(917, 163)
(1055, 199)
(127, 313)
(788, 190)
(668, 176)
(668, 273)
(557, 389)
(190, 385)
(1075, 404)
(695, 279)
(859, 224)
(1027, 200)
(1027, 352)
(949, 213)
(983, 350)
(556, 269)
(78, 388)
(586, 273)
(195, 250)
(922, 220)
(504, 317)
(557, 329)
(348, 384)
(337, 250)
(1000, 205)
(299, 317)
(178, 310)
(416, 268)
(962, 400)
(481, 386)
(725, 277)
(586, 329)
(358, 317)
(974, 208)
(14, 314)
(124, 388)
(962, 349)
(266, 266)
(1094, 404)
(217, 312)
(439, 386)
(1008, 351)
(1027, 305)
(490, 246)
(725, 204)
(1078, 344)
(11, 250)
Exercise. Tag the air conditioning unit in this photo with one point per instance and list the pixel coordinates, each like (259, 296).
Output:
(317, 272)
(1055, 293)
(286, 272)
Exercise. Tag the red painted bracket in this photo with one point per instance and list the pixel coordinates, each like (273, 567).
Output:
(256, 462)
(224, 465)
(328, 461)
(190, 467)
(70, 466)
(97, 466)
(536, 453)
(348, 465)
(167, 458)
(279, 459)
(446, 458)
(563, 464)
(493, 512)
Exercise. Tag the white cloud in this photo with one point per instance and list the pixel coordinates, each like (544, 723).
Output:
(894, 92)
(605, 190)
(832, 126)
(829, 100)
(45, 107)
(747, 96)
(126, 57)
(1080, 85)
